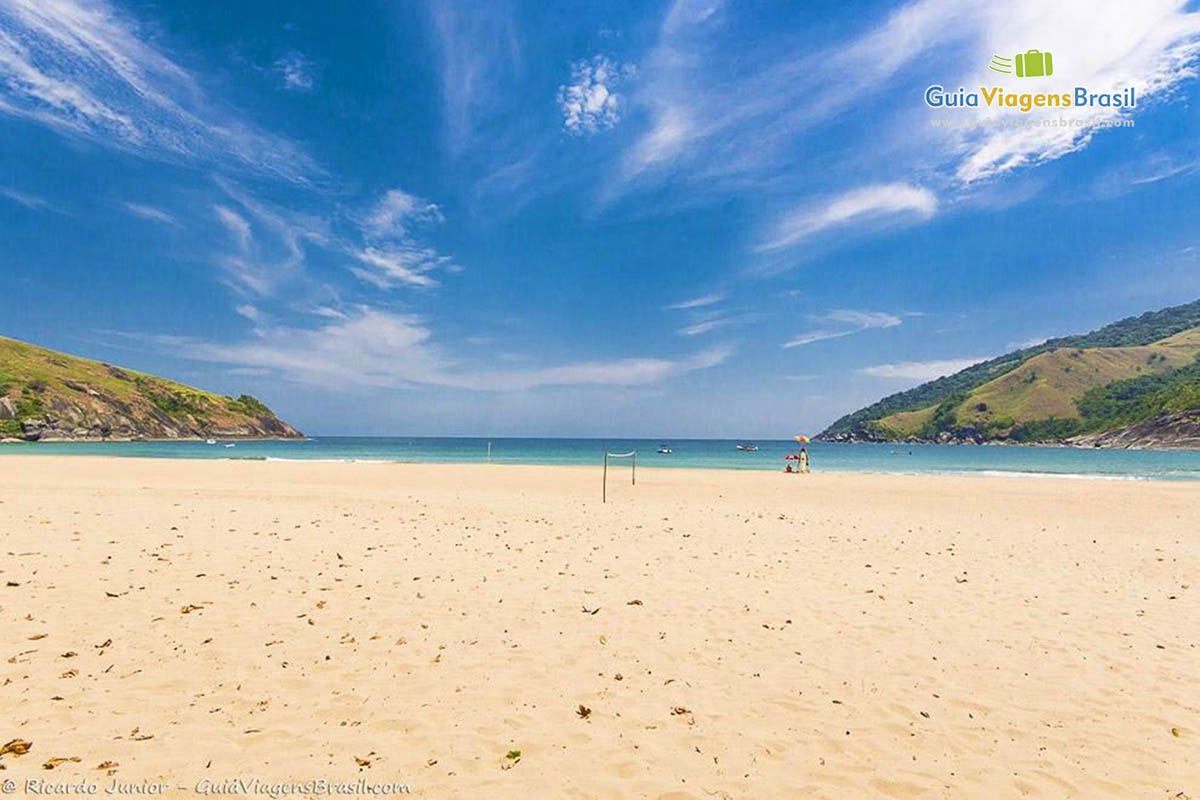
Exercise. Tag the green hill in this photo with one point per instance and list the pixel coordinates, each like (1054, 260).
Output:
(1122, 374)
(46, 395)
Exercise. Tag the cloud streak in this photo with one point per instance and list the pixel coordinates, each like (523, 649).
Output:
(843, 322)
(236, 224)
(379, 349)
(699, 302)
(715, 323)
(876, 202)
(717, 126)
(398, 265)
(151, 213)
(83, 69)
(393, 254)
(31, 201)
(477, 49)
(1103, 46)
(920, 371)
(268, 242)
(395, 212)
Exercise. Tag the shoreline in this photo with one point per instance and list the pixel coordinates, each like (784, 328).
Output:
(1009, 443)
(980, 474)
(182, 439)
(955, 444)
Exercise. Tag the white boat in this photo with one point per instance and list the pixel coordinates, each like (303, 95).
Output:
(210, 441)
(666, 451)
(750, 448)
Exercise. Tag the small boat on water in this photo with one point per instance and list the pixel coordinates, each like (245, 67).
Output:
(750, 448)
(210, 441)
(666, 451)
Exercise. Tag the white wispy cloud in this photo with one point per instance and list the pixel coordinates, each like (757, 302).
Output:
(478, 49)
(1025, 343)
(381, 349)
(1103, 46)
(296, 72)
(814, 336)
(380, 244)
(616, 372)
(151, 213)
(706, 326)
(675, 91)
(699, 302)
(717, 322)
(398, 264)
(31, 201)
(85, 70)
(873, 202)
(719, 128)
(269, 242)
(236, 224)
(393, 254)
(249, 312)
(672, 129)
(920, 371)
(722, 125)
(395, 212)
(590, 102)
(863, 319)
(843, 322)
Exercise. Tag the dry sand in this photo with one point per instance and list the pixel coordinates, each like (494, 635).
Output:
(734, 635)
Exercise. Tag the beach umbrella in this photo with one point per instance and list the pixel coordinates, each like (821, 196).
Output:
(801, 438)
(791, 457)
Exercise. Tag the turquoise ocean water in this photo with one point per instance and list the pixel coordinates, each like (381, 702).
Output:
(689, 453)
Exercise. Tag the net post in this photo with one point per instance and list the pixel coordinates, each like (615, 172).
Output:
(604, 485)
(634, 472)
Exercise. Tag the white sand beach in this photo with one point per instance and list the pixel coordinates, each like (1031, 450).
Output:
(706, 634)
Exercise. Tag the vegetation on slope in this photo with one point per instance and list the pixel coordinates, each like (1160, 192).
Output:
(1047, 387)
(1138, 399)
(1103, 407)
(45, 394)
(1121, 404)
(1148, 328)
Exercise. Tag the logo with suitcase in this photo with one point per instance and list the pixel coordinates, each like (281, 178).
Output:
(1030, 64)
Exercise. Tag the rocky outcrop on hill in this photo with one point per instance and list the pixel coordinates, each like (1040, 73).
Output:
(46, 396)
(101, 418)
(1175, 431)
(1178, 431)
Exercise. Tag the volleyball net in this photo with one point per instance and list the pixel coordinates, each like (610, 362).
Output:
(632, 456)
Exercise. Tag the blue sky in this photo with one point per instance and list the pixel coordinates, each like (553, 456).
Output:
(655, 219)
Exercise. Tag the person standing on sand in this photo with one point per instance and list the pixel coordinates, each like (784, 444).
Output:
(804, 460)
